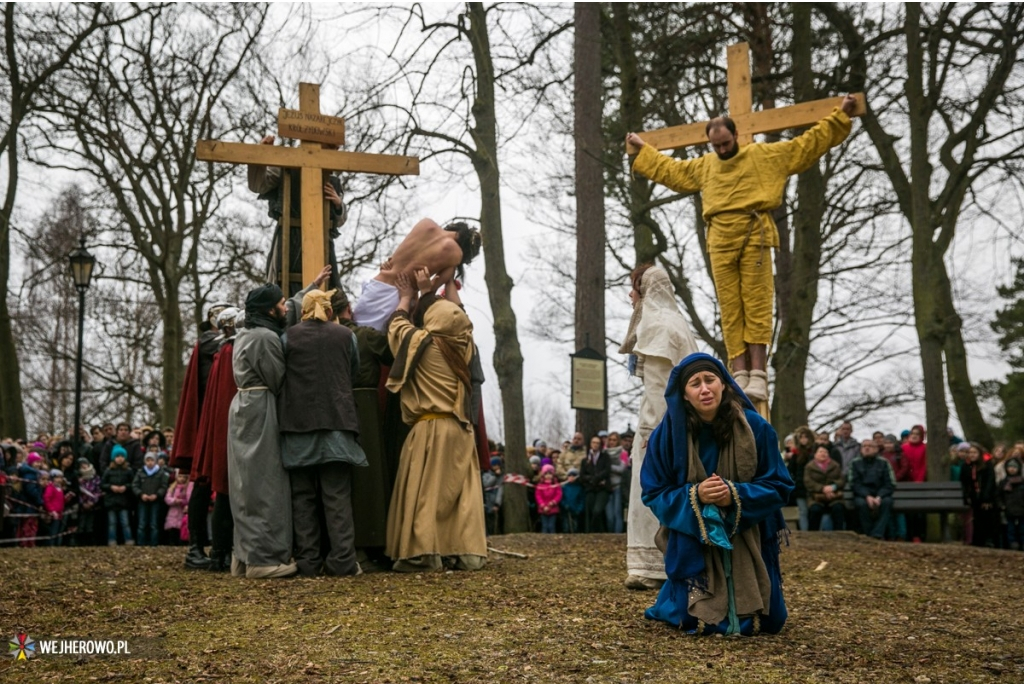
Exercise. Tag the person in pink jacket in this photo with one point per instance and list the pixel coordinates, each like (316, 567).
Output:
(53, 505)
(549, 494)
(177, 504)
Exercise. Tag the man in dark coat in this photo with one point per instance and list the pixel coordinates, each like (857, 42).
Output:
(872, 482)
(372, 486)
(595, 476)
(319, 430)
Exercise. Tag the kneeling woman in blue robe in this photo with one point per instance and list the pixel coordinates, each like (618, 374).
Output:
(714, 477)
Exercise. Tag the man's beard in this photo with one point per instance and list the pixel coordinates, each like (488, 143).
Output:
(730, 154)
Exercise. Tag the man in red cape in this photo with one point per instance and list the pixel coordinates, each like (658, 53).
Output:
(186, 433)
(211, 462)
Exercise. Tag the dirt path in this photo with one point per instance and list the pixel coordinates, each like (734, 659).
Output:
(875, 612)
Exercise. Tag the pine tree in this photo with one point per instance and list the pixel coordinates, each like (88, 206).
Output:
(1009, 324)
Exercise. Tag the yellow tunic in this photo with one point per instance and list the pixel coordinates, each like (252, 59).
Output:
(437, 504)
(753, 180)
(738, 196)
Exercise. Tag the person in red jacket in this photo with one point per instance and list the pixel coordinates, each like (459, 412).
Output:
(915, 453)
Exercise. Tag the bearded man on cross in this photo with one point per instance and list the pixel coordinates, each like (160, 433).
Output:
(740, 186)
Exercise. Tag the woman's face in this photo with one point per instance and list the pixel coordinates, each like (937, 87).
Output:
(704, 393)
(915, 438)
(888, 446)
(67, 460)
(821, 455)
(973, 455)
(804, 439)
(634, 295)
(595, 443)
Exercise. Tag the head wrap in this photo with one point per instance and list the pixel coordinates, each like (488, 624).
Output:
(227, 317)
(213, 313)
(118, 451)
(32, 458)
(258, 304)
(315, 304)
(56, 473)
(495, 461)
(688, 368)
(547, 468)
(961, 447)
(448, 328)
(657, 327)
(535, 459)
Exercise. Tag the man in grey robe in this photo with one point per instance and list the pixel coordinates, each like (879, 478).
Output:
(258, 484)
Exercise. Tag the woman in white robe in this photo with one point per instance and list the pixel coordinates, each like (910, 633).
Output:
(658, 338)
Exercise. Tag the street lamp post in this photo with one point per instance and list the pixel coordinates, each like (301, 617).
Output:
(82, 264)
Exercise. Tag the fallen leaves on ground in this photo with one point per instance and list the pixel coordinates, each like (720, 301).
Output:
(874, 612)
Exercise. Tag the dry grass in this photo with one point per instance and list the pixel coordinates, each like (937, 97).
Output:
(875, 612)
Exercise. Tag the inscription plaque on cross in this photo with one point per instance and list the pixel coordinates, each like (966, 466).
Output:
(741, 100)
(312, 129)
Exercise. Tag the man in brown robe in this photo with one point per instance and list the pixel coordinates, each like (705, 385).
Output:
(435, 518)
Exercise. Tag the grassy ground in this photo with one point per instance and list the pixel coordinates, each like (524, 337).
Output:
(860, 611)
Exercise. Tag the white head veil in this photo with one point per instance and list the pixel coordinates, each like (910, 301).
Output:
(657, 327)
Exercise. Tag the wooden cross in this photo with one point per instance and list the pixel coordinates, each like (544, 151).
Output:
(748, 122)
(312, 129)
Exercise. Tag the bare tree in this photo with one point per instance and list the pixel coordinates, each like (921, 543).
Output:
(39, 43)
(128, 116)
(958, 101)
(459, 50)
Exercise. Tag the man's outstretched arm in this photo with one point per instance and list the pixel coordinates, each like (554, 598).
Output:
(807, 148)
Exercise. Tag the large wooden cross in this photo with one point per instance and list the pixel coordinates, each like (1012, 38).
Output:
(312, 129)
(748, 122)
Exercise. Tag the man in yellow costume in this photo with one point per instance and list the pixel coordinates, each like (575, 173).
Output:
(740, 186)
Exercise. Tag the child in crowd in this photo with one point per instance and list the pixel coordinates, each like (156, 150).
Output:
(1010, 494)
(29, 496)
(177, 504)
(573, 502)
(90, 490)
(117, 480)
(549, 494)
(494, 488)
(149, 486)
(53, 505)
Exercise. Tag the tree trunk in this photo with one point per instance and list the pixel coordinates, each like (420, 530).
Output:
(798, 272)
(172, 348)
(964, 398)
(587, 119)
(508, 358)
(12, 410)
(927, 269)
(631, 117)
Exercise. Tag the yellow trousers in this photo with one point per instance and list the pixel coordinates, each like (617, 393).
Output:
(746, 294)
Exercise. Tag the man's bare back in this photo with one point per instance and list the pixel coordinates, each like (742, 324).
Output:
(427, 245)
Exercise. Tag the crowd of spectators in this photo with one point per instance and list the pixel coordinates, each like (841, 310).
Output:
(112, 487)
(582, 486)
(115, 487)
(823, 467)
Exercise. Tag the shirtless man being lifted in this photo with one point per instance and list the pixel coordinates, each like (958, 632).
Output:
(443, 251)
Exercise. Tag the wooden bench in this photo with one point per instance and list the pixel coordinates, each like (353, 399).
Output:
(940, 497)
